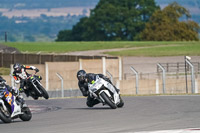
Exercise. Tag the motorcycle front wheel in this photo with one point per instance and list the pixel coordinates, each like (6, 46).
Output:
(44, 92)
(5, 115)
(27, 115)
(121, 104)
(108, 100)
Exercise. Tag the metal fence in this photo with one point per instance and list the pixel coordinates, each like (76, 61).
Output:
(178, 67)
(170, 78)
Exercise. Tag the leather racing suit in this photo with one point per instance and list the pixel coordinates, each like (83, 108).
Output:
(84, 87)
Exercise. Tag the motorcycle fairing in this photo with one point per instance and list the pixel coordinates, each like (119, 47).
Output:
(99, 82)
(9, 99)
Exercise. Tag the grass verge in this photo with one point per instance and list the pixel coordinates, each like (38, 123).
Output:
(190, 49)
(4, 71)
(62, 47)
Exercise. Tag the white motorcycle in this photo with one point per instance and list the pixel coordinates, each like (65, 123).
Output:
(10, 108)
(105, 93)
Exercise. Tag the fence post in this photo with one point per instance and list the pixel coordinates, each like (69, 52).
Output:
(192, 75)
(39, 57)
(61, 78)
(163, 77)
(13, 57)
(80, 64)
(136, 80)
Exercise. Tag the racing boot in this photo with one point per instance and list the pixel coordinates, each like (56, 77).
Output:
(91, 101)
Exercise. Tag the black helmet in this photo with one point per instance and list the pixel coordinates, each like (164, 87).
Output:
(81, 75)
(17, 67)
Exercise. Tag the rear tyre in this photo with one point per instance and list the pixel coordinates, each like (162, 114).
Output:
(108, 100)
(27, 115)
(44, 92)
(5, 116)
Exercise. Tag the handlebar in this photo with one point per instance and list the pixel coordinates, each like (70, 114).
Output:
(31, 75)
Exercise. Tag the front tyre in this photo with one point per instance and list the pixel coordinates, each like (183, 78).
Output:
(27, 115)
(108, 100)
(44, 92)
(5, 115)
(121, 104)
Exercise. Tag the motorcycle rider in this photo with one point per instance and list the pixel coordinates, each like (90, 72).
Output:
(85, 78)
(20, 75)
(14, 91)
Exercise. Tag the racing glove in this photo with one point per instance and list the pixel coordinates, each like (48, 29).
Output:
(37, 70)
(21, 90)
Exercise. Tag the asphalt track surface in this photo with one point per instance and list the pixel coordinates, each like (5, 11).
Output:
(140, 113)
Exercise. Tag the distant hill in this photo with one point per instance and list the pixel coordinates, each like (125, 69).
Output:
(33, 8)
(192, 5)
(36, 4)
(41, 20)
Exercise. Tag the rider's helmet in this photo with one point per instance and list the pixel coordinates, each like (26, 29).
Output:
(17, 67)
(81, 75)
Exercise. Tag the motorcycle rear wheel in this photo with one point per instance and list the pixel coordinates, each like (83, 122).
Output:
(108, 100)
(27, 114)
(6, 118)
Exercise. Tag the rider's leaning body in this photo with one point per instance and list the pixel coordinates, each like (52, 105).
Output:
(20, 74)
(14, 91)
(89, 78)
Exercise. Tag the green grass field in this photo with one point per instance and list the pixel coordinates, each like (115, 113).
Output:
(176, 50)
(4, 71)
(145, 48)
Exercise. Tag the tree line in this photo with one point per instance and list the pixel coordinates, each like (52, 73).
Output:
(129, 20)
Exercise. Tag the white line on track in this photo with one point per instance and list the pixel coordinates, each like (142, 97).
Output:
(190, 130)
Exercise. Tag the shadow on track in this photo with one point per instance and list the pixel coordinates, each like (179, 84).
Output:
(13, 121)
(94, 108)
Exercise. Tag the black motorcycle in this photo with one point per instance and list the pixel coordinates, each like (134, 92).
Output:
(34, 88)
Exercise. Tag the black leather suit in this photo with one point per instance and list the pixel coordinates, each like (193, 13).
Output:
(84, 87)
